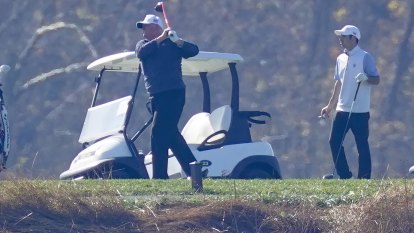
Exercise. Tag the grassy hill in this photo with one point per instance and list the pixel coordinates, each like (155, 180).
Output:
(224, 206)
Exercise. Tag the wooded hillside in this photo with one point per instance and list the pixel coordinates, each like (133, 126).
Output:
(289, 49)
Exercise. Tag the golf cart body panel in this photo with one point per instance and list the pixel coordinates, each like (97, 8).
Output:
(174, 168)
(220, 139)
(219, 160)
(98, 153)
(222, 161)
(264, 166)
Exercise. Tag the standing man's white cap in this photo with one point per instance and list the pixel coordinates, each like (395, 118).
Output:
(150, 19)
(348, 30)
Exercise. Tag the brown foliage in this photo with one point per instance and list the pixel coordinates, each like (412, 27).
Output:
(26, 207)
(389, 211)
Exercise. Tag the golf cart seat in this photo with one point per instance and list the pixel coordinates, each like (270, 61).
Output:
(242, 121)
(197, 128)
(208, 130)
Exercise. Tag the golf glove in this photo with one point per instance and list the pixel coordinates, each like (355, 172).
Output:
(173, 36)
(361, 77)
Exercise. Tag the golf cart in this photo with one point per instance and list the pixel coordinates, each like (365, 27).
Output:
(219, 139)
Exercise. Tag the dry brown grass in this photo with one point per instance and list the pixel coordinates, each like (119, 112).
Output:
(234, 216)
(28, 208)
(391, 210)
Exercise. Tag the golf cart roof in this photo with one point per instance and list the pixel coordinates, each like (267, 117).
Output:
(204, 62)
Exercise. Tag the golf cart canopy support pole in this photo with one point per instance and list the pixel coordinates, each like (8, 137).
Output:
(206, 92)
(134, 93)
(234, 88)
(98, 83)
(138, 134)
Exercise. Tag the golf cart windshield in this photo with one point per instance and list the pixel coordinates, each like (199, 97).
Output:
(208, 62)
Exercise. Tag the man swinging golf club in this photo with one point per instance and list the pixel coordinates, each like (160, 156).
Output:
(160, 53)
(355, 73)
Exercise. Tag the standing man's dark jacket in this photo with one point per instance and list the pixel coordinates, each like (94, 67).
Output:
(162, 64)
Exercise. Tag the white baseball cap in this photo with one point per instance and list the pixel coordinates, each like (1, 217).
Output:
(150, 19)
(349, 30)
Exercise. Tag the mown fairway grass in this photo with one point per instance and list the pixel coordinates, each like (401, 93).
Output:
(311, 191)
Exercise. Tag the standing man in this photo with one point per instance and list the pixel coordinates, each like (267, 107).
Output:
(161, 52)
(352, 67)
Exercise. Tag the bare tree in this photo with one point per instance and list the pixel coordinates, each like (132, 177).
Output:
(404, 60)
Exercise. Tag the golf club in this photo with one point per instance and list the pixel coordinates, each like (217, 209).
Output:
(161, 8)
(331, 176)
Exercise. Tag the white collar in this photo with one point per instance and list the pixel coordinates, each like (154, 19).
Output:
(353, 51)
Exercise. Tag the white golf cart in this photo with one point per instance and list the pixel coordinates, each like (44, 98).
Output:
(220, 139)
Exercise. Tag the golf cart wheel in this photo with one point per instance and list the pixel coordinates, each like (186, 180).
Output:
(119, 174)
(116, 173)
(109, 172)
(257, 173)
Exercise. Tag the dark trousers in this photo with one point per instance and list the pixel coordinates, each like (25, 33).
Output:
(358, 123)
(167, 108)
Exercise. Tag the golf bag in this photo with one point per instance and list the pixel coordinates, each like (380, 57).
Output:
(4, 128)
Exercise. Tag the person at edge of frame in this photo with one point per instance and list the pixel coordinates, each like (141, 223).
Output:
(353, 66)
(161, 52)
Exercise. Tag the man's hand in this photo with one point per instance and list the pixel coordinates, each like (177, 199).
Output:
(163, 36)
(325, 112)
(173, 36)
(361, 77)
